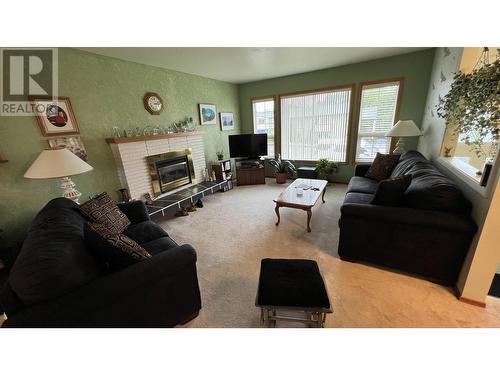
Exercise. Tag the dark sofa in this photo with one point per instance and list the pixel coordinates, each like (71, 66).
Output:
(57, 281)
(429, 234)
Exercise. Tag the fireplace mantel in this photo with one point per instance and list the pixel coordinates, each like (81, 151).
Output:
(151, 137)
(130, 156)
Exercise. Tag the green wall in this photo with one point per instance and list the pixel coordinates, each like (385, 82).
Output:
(415, 67)
(104, 92)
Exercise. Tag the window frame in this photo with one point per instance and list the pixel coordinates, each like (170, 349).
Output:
(264, 98)
(392, 143)
(277, 131)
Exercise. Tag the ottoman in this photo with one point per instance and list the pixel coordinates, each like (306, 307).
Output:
(291, 286)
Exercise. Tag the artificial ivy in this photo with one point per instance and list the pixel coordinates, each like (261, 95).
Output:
(472, 107)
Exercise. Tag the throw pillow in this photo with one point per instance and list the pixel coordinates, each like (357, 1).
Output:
(102, 210)
(390, 192)
(382, 166)
(114, 248)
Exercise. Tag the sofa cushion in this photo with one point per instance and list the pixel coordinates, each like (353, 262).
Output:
(431, 190)
(104, 211)
(362, 185)
(161, 244)
(53, 259)
(116, 249)
(382, 166)
(360, 198)
(406, 162)
(390, 192)
(145, 231)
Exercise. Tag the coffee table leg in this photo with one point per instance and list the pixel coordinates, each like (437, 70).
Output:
(309, 214)
(277, 210)
(323, 195)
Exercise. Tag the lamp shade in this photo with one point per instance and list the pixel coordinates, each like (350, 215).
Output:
(404, 128)
(56, 163)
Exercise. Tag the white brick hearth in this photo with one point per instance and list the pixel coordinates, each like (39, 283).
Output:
(130, 156)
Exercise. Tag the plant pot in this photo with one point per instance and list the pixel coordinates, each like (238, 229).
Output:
(281, 178)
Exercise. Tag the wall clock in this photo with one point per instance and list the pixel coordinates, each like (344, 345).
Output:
(153, 103)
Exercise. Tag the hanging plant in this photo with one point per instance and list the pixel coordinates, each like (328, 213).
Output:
(472, 106)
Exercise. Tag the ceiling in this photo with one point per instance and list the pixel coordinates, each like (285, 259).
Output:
(242, 64)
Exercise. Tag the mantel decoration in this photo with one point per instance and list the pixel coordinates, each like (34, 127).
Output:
(153, 103)
(207, 114)
(55, 115)
(472, 106)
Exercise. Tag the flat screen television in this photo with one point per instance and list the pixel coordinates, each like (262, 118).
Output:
(247, 145)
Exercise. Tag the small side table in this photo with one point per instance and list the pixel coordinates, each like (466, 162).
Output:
(292, 285)
(307, 172)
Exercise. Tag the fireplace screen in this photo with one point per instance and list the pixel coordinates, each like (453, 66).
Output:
(170, 170)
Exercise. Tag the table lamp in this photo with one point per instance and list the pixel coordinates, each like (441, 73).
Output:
(59, 163)
(403, 128)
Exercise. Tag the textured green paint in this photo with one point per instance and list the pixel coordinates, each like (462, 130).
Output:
(104, 92)
(415, 67)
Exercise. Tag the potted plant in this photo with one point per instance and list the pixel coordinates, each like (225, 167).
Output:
(471, 107)
(325, 168)
(220, 155)
(282, 167)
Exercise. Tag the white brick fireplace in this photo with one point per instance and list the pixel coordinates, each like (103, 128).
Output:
(130, 156)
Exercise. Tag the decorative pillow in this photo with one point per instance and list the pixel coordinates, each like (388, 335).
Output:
(390, 192)
(102, 210)
(382, 166)
(115, 248)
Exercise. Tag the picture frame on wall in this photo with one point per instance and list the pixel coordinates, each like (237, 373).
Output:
(55, 116)
(226, 121)
(74, 144)
(208, 114)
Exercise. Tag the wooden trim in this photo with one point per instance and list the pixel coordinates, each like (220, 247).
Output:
(151, 137)
(351, 86)
(312, 91)
(358, 112)
(472, 302)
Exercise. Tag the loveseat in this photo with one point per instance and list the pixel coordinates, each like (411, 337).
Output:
(428, 234)
(57, 281)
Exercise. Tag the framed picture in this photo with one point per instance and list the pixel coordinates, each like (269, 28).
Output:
(208, 114)
(226, 120)
(74, 144)
(55, 116)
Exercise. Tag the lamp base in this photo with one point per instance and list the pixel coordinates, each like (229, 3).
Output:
(69, 190)
(400, 147)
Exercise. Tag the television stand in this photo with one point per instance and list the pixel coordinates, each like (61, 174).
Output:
(250, 172)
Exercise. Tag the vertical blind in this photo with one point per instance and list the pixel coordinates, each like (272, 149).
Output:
(315, 125)
(263, 121)
(376, 116)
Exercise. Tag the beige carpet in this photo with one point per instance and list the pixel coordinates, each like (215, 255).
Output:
(235, 230)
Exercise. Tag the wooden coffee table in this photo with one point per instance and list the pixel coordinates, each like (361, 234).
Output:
(306, 201)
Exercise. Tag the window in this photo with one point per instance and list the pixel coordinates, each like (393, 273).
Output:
(377, 113)
(315, 125)
(263, 121)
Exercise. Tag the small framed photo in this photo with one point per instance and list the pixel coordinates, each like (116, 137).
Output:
(55, 116)
(226, 120)
(74, 144)
(208, 114)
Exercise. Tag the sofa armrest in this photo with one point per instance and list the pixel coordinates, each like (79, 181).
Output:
(135, 210)
(155, 292)
(361, 169)
(410, 216)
